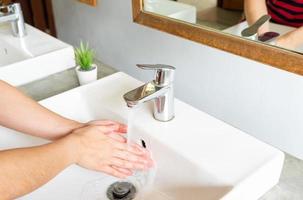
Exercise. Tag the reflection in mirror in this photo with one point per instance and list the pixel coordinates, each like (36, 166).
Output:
(273, 22)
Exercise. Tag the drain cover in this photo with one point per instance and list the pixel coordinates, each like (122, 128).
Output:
(121, 191)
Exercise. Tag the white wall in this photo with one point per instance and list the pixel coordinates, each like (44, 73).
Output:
(259, 99)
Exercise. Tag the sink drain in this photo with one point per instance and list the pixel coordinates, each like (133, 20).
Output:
(121, 191)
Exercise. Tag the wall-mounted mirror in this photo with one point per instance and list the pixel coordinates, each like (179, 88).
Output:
(268, 31)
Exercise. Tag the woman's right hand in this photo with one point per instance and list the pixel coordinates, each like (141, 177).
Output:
(102, 148)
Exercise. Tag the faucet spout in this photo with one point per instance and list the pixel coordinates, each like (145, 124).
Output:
(8, 18)
(144, 93)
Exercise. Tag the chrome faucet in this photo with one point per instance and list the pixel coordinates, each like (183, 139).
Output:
(14, 15)
(252, 31)
(160, 90)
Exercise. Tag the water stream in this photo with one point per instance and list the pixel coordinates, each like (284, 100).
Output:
(143, 180)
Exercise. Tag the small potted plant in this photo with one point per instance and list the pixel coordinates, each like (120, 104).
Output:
(86, 69)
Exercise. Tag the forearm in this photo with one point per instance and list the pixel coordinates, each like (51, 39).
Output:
(297, 37)
(254, 9)
(24, 170)
(25, 115)
(291, 40)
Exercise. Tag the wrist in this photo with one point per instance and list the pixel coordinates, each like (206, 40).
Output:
(73, 125)
(66, 128)
(69, 145)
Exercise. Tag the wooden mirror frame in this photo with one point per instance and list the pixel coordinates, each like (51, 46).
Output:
(274, 56)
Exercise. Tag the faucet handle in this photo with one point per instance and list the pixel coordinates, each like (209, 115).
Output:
(253, 29)
(156, 67)
(10, 8)
(2, 6)
(164, 73)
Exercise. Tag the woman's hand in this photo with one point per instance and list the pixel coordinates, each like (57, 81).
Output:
(101, 147)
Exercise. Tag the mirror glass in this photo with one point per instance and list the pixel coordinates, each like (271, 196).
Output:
(273, 22)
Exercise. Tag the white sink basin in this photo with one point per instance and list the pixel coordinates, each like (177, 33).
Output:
(35, 56)
(10, 54)
(172, 9)
(198, 157)
(282, 29)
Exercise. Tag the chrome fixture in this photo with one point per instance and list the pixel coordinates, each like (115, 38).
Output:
(160, 90)
(252, 31)
(13, 14)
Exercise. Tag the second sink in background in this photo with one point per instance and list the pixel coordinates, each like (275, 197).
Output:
(37, 55)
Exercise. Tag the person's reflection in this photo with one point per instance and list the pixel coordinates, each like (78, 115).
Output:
(286, 12)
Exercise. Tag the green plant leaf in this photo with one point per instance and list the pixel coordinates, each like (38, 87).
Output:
(84, 56)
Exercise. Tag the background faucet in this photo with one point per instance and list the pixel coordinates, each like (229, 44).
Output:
(13, 14)
(160, 90)
(252, 31)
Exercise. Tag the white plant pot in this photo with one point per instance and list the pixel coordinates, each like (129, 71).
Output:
(86, 77)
